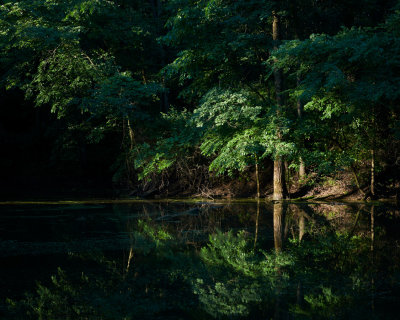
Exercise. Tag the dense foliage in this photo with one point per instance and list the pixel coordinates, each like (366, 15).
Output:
(157, 92)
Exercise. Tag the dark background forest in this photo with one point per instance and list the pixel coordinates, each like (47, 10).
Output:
(199, 98)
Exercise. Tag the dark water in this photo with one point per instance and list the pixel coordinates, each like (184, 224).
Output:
(181, 260)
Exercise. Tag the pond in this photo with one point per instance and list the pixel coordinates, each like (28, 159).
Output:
(199, 260)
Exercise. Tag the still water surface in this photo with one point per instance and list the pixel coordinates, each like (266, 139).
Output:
(185, 260)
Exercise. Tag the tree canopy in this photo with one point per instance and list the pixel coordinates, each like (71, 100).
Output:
(160, 85)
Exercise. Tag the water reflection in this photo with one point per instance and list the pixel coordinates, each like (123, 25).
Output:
(203, 261)
(279, 226)
(372, 257)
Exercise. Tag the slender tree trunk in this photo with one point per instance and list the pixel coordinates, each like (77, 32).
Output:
(300, 110)
(372, 189)
(302, 170)
(280, 191)
(257, 177)
(372, 173)
(257, 219)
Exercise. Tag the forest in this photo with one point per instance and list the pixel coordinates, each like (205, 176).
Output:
(206, 98)
(199, 159)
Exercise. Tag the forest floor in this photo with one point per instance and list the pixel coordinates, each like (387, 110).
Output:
(341, 187)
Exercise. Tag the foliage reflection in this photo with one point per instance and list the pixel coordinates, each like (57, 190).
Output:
(320, 266)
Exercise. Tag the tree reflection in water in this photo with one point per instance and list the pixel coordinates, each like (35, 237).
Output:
(322, 264)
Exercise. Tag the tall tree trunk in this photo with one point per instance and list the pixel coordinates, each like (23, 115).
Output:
(280, 191)
(300, 110)
(157, 9)
(279, 180)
